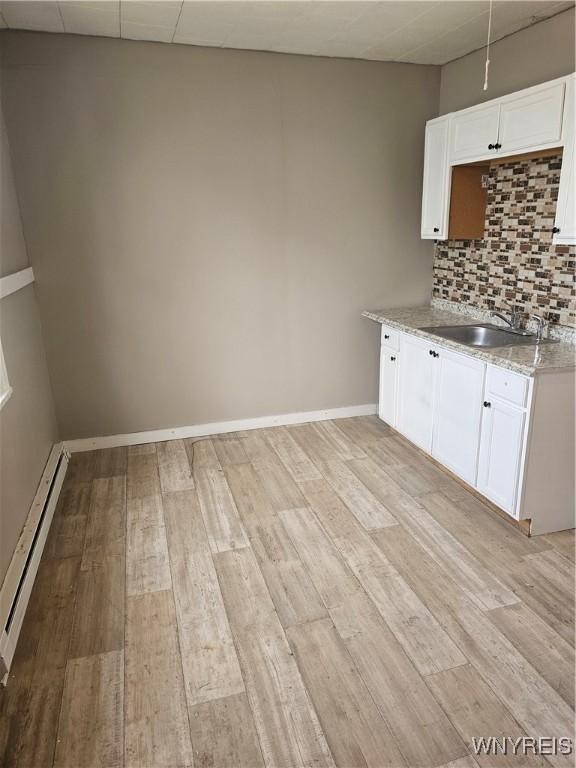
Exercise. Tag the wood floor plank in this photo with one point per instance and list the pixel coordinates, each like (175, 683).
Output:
(333, 579)
(106, 529)
(476, 711)
(316, 444)
(147, 564)
(142, 475)
(563, 542)
(480, 584)
(530, 699)
(230, 450)
(296, 461)
(424, 734)
(154, 687)
(353, 542)
(111, 462)
(346, 449)
(415, 627)
(141, 450)
(541, 645)
(201, 453)
(356, 732)
(286, 723)
(364, 429)
(98, 625)
(223, 734)
(91, 724)
(291, 589)
(173, 466)
(30, 703)
(68, 528)
(210, 664)
(223, 524)
(369, 512)
(462, 762)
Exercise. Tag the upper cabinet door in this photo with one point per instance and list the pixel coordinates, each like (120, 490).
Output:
(532, 120)
(565, 222)
(435, 191)
(458, 413)
(474, 133)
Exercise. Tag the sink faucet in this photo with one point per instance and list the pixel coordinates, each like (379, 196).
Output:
(541, 325)
(513, 321)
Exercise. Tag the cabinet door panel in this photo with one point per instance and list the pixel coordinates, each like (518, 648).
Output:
(500, 453)
(531, 120)
(565, 222)
(436, 184)
(416, 391)
(388, 386)
(458, 413)
(473, 131)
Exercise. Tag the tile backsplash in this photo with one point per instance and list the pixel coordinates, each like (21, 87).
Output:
(515, 262)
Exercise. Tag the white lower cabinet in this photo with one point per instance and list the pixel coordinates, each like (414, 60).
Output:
(415, 408)
(458, 413)
(388, 385)
(501, 453)
(509, 436)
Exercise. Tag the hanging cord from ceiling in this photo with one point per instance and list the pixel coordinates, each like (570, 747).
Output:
(487, 66)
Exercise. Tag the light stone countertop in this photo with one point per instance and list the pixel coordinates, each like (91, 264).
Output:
(525, 359)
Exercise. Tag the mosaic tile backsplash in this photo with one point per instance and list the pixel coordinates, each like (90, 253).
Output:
(516, 261)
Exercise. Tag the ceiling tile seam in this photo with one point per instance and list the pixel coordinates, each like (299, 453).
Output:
(445, 34)
(61, 16)
(177, 21)
(508, 34)
(400, 28)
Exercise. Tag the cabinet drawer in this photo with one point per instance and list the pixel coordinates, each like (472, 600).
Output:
(507, 385)
(390, 338)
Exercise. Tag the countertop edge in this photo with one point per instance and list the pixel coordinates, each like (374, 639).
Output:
(488, 357)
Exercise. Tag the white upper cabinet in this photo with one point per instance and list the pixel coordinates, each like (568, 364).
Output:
(474, 133)
(458, 413)
(531, 120)
(436, 188)
(565, 222)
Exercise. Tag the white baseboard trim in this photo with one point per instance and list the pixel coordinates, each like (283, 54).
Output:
(19, 579)
(16, 281)
(217, 428)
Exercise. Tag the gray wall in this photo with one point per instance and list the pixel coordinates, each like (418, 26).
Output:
(207, 225)
(27, 424)
(531, 56)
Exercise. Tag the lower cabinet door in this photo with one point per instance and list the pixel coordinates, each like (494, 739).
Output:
(416, 382)
(458, 413)
(388, 386)
(501, 445)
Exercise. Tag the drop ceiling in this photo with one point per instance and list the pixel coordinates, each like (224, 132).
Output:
(416, 31)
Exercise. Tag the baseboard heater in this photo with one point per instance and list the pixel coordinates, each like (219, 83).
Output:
(17, 585)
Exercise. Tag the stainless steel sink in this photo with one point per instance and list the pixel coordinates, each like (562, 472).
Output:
(484, 335)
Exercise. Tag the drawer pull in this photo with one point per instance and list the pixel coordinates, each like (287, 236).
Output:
(392, 359)
(487, 404)
(386, 336)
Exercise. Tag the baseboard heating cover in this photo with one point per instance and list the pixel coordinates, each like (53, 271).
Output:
(17, 585)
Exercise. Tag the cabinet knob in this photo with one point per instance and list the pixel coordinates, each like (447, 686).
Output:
(430, 351)
(497, 145)
(491, 146)
(436, 229)
(386, 336)
(436, 354)
(555, 230)
(392, 359)
(487, 404)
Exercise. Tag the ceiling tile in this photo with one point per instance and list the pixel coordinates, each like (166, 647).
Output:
(44, 16)
(153, 14)
(132, 31)
(98, 18)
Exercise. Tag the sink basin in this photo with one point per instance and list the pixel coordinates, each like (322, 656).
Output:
(484, 335)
